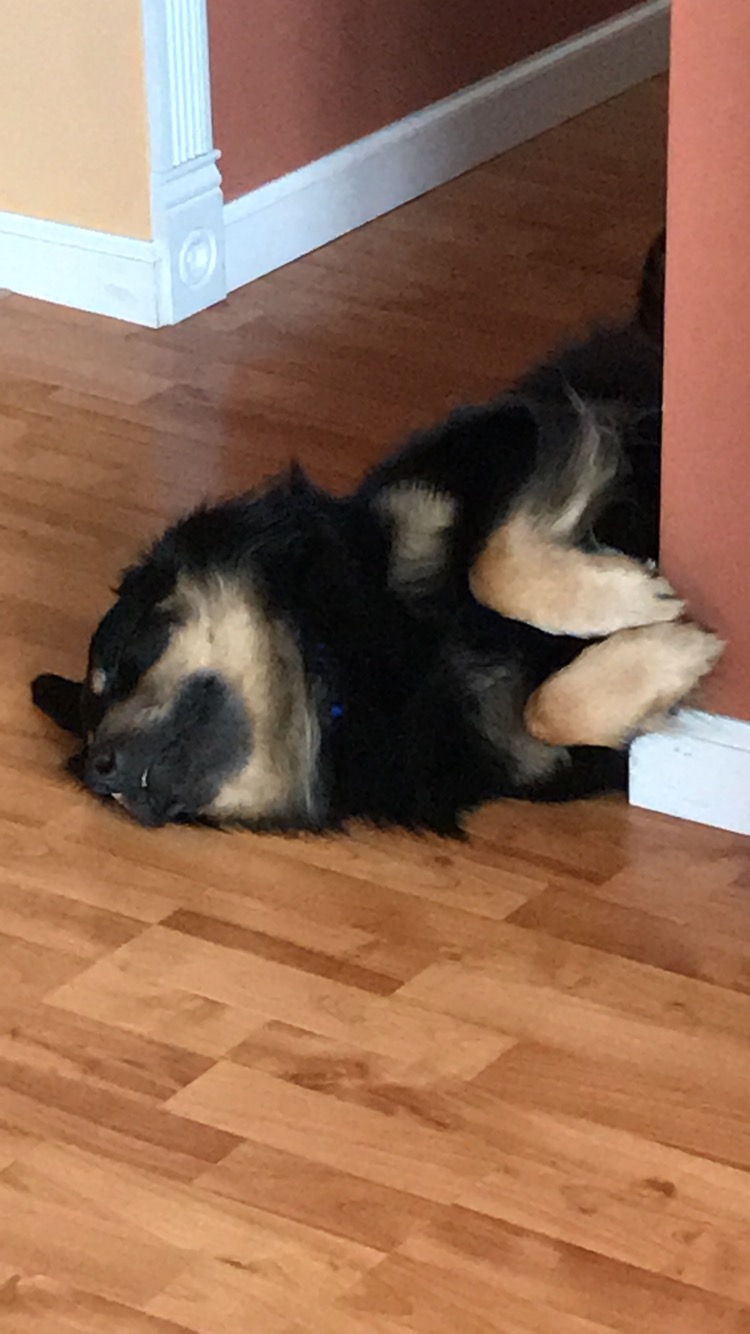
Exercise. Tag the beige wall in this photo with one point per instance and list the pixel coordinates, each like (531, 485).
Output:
(706, 488)
(73, 130)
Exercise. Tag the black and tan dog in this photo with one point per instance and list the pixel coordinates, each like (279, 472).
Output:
(476, 620)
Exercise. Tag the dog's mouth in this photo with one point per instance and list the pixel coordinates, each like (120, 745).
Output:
(144, 813)
(120, 797)
(136, 806)
(123, 800)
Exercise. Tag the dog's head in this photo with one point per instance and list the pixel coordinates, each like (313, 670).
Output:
(196, 702)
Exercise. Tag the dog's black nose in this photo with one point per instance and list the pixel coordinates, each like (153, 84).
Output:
(102, 770)
(105, 762)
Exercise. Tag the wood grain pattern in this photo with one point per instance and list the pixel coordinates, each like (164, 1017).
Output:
(377, 1084)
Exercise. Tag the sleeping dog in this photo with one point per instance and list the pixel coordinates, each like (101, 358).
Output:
(480, 618)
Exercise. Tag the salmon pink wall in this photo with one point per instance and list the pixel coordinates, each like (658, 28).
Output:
(294, 80)
(706, 515)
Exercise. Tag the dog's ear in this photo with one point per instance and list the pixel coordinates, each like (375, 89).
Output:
(59, 699)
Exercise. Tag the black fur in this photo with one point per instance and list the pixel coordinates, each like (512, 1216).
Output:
(395, 675)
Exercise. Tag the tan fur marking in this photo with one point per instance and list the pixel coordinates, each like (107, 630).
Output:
(614, 689)
(421, 519)
(98, 681)
(223, 629)
(525, 574)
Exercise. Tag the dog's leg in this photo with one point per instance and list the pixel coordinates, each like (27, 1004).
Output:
(533, 567)
(526, 574)
(615, 689)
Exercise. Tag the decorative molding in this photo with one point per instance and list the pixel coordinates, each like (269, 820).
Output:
(698, 769)
(186, 198)
(189, 79)
(312, 206)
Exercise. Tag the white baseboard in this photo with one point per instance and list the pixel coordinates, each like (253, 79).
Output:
(73, 266)
(698, 770)
(308, 208)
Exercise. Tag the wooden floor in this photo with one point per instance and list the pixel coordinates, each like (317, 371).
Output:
(368, 1085)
